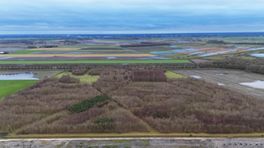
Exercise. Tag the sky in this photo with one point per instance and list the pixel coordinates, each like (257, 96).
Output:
(130, 16)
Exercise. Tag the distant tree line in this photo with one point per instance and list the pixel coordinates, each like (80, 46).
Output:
(255, 66)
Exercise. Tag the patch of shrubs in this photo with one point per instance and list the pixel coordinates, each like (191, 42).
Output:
(255, 66)
(87, 104)
(104, 123)
(95, 71)
(155, 75)
(79, 71)
(68, 79)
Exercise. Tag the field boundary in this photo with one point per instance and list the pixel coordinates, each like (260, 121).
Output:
(102, 65)
(137, 135)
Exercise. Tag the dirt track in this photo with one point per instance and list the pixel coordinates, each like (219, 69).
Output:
(230, 79)
(137, 142)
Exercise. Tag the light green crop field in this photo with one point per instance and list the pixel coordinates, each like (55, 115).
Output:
(8, 87)
(88, 79)
(173, 75)
(96, 62)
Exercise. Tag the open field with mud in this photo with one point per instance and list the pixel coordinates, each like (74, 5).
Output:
(232, 79)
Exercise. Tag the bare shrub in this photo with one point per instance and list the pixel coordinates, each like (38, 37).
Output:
(68, 79)
(189, 105)
(79, 71)
(155, 75)
(42, 100)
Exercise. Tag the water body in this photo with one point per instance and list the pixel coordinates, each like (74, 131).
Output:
(169, 52)
(254, 49)
(258, 55)
(256, 84)
(196, 77)
(18, 76)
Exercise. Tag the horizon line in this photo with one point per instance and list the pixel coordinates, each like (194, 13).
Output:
(148, 33)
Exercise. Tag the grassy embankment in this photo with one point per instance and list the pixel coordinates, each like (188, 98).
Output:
(137, 135)
(8, 87)
(172, 75)
(97, 62)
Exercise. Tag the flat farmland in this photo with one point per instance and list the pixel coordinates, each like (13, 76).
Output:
(56, 49)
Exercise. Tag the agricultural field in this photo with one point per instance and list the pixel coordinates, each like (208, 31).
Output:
(151, 49)
(8, 87)
(86, 78)
(124, 101)
(140, 98)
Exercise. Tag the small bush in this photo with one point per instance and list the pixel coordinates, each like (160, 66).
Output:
(95, 71)
(155, 75)
(104, 123)
(79, 71)
(87, 104)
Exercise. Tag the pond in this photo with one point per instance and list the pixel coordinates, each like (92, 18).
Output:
(256, 84)
(258, 55)
(18, 76)
(170, 52)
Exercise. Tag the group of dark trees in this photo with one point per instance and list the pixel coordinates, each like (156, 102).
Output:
(250, 65)
(146, 44)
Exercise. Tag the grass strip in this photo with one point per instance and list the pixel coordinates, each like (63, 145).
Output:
(86, 79)
(173, 75)
(8, 87)
(94, 62)
(138, 135)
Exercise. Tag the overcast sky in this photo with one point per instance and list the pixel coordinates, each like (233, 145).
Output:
(130, 16)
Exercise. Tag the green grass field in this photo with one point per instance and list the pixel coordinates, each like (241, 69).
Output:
(8, 87)
(133, 135)
(27, 51)
(173, 75)
(96, 62)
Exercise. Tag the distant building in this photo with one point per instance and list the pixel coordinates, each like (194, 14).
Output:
(3, 52)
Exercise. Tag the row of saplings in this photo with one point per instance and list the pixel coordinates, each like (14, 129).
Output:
(104, 123)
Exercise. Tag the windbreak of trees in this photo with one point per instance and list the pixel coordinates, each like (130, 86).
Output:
(255, 66)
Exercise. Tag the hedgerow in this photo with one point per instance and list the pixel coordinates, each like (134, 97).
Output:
(87, 104)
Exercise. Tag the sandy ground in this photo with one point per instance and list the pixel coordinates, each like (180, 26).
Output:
(136, 142)
(229, 78)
